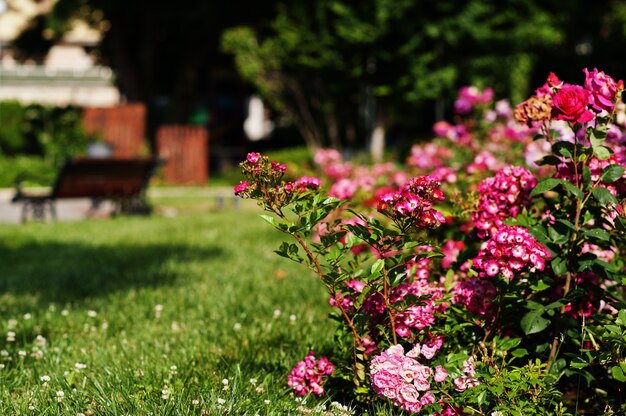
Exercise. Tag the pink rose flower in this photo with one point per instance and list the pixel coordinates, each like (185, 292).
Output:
(570, 104)
(241, 187)
(253, 157)
(440, 374)
(427, 398)
(409, 394)
(554, 81)
(603, 88)
(385, 380)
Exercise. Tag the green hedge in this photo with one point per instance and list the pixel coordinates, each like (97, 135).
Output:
(40, 130)
(30, 170)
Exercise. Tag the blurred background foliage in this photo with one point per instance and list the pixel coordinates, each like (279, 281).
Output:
(35, 139)
(334, 70)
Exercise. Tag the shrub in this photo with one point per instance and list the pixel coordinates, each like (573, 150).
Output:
(31, 170)
(507, 298)
(52, 132)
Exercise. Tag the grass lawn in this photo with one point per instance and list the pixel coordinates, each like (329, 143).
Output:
(187, 315)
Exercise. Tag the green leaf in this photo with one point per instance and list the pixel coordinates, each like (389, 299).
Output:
(548, 160)
(612, 173)
(550, 183)
(586, 176)
(573, 189)
(558, 233)
(603, 196)
(578, 363)
(559, 266)
(544, 186)
(596, 137)
(533, 322)
(602, 152)
(377, 266)
(567, 223)
(617, 373)
(598, 234)
(558, 366)
(621, 317)
(508, 343)
(564, 148)
(539, 286)
(519, 352)
(270, 219)
(352, 240)
(481, 397)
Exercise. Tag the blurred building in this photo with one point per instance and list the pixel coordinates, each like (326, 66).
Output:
(67, 75)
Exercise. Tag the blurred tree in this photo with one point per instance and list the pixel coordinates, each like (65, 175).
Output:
(342, 69)
(158, 50)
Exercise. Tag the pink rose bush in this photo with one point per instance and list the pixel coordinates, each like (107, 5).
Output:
(510, 252)
(405, 381)
(486, 276)
(309, 375)
(502, 196)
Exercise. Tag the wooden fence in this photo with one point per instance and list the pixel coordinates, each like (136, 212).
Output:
(186, 153)
(123, 127)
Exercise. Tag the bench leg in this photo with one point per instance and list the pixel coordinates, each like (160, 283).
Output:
(37, 210)
(53, 210)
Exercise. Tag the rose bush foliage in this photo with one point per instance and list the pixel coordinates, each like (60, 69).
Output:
(486, 276)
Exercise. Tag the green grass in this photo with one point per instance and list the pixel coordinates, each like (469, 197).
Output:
(89, 293)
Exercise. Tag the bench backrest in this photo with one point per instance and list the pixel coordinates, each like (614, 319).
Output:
(103, 178)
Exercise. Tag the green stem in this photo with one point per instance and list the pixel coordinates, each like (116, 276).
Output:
(331, 289)
(386, 294)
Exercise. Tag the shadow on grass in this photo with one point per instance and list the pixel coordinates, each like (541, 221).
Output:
(58, 272)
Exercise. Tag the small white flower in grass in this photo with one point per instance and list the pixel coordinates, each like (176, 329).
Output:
(173, 369)
(45, 380)
(31, 407)
(165, 393)
(221, 401)
(260, 390)
(22, 353)
(4, 354)
(66, 373)
(10, 336)
(1, 366)
(11, 323)
(60, 396)
(253, 381)
(195, 402)
(37, 353)
(92, 314)
(157, 311)
(80, 414)
(277, 313)
(293, 318)
(497, 413)
(237, 327)
(80, 366)
(266, 401)
(27, 316)
(65, 312)
(40, 341)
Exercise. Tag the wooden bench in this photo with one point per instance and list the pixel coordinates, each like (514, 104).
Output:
(122, 181)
